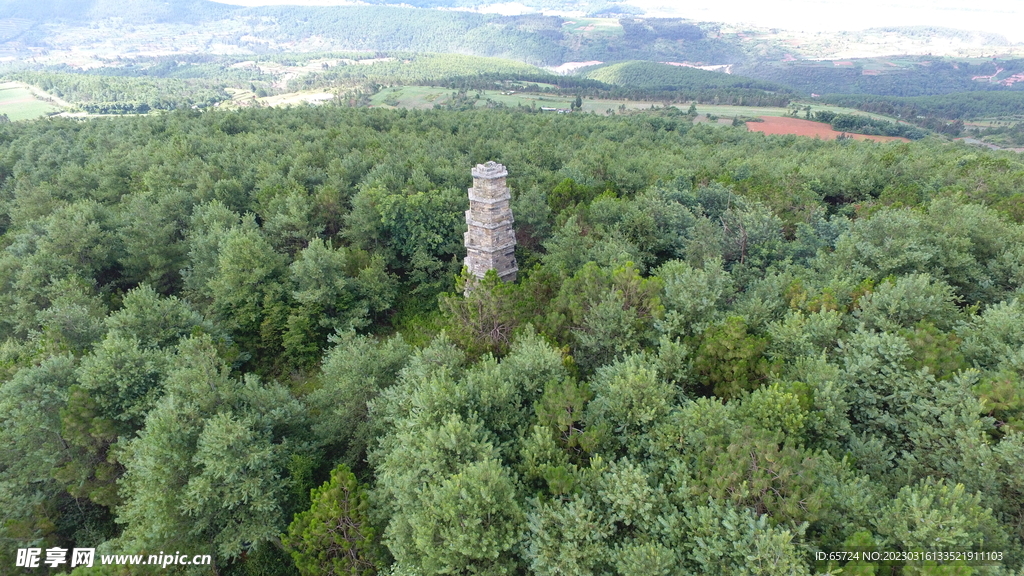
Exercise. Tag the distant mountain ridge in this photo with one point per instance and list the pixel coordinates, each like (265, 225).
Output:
(634, 43)
(137, 11)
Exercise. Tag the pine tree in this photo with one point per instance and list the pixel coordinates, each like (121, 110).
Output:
(334, 536)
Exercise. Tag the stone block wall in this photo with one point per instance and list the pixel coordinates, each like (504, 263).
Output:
(490, 239)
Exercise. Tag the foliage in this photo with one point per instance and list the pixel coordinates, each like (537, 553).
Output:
(859, 124)
(686, 83)
(121, 95)
(954, 106)
(212, 443)
(730, 360)
(335, 536)
(927, 76)
(724, 351)
(485, 318)
(656, 76)
(353, 372)
(454, 70)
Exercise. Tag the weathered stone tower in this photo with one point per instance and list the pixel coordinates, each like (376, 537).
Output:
(490, 240)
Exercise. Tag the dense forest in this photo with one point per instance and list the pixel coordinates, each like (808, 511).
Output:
(957, 106)
(946, 113)
(631, 80)
(225, 333)
(1007, 134)
(640, 80)
(165, 83)
(122, 94)
(390, 28)
(929, 77)
(432, 69)
(530, 38)
(859, 124)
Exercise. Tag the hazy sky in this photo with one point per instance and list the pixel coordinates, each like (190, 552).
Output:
(1004, 17)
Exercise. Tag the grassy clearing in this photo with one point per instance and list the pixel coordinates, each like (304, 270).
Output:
(241, 98)
(995, 121)
(423, 97)
(426, 97)
(419, 97)
(19, 103)
(593, 26)
(766, 111)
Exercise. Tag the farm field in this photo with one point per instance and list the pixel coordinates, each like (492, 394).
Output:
(19, 103)
(721, 110)
(784, 125)
(593, 26)
(995, 121)
(423, 97)
(241, 98)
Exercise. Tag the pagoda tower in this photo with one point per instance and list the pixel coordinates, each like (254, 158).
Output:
(490, 239)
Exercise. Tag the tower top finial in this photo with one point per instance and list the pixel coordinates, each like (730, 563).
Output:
(489, 170)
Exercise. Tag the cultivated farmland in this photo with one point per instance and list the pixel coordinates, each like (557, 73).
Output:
(785, 125)
(18, 102)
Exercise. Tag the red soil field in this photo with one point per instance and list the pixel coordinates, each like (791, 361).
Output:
(783, 125)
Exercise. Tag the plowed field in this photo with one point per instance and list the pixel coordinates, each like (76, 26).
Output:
(785, 125)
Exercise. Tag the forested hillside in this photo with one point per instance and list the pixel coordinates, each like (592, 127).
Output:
(165, 83)
(925, 77)
(956, 106)
(531, 38)
(124, 94)
(93, 33)
(725, 353)
(945, 113)
(432, 69)
(639, 78)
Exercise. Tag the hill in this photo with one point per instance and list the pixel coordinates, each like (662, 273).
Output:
(892, 76)
(134, 11)
(955, 106)
(91, 33)
(54, 31)
(661, 76)
(388, 28)
(683, 83)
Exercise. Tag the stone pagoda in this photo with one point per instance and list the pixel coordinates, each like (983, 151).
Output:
(490, 239)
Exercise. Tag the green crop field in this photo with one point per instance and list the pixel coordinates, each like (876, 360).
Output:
(766, 111)
(593, 26)
(18, 103)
